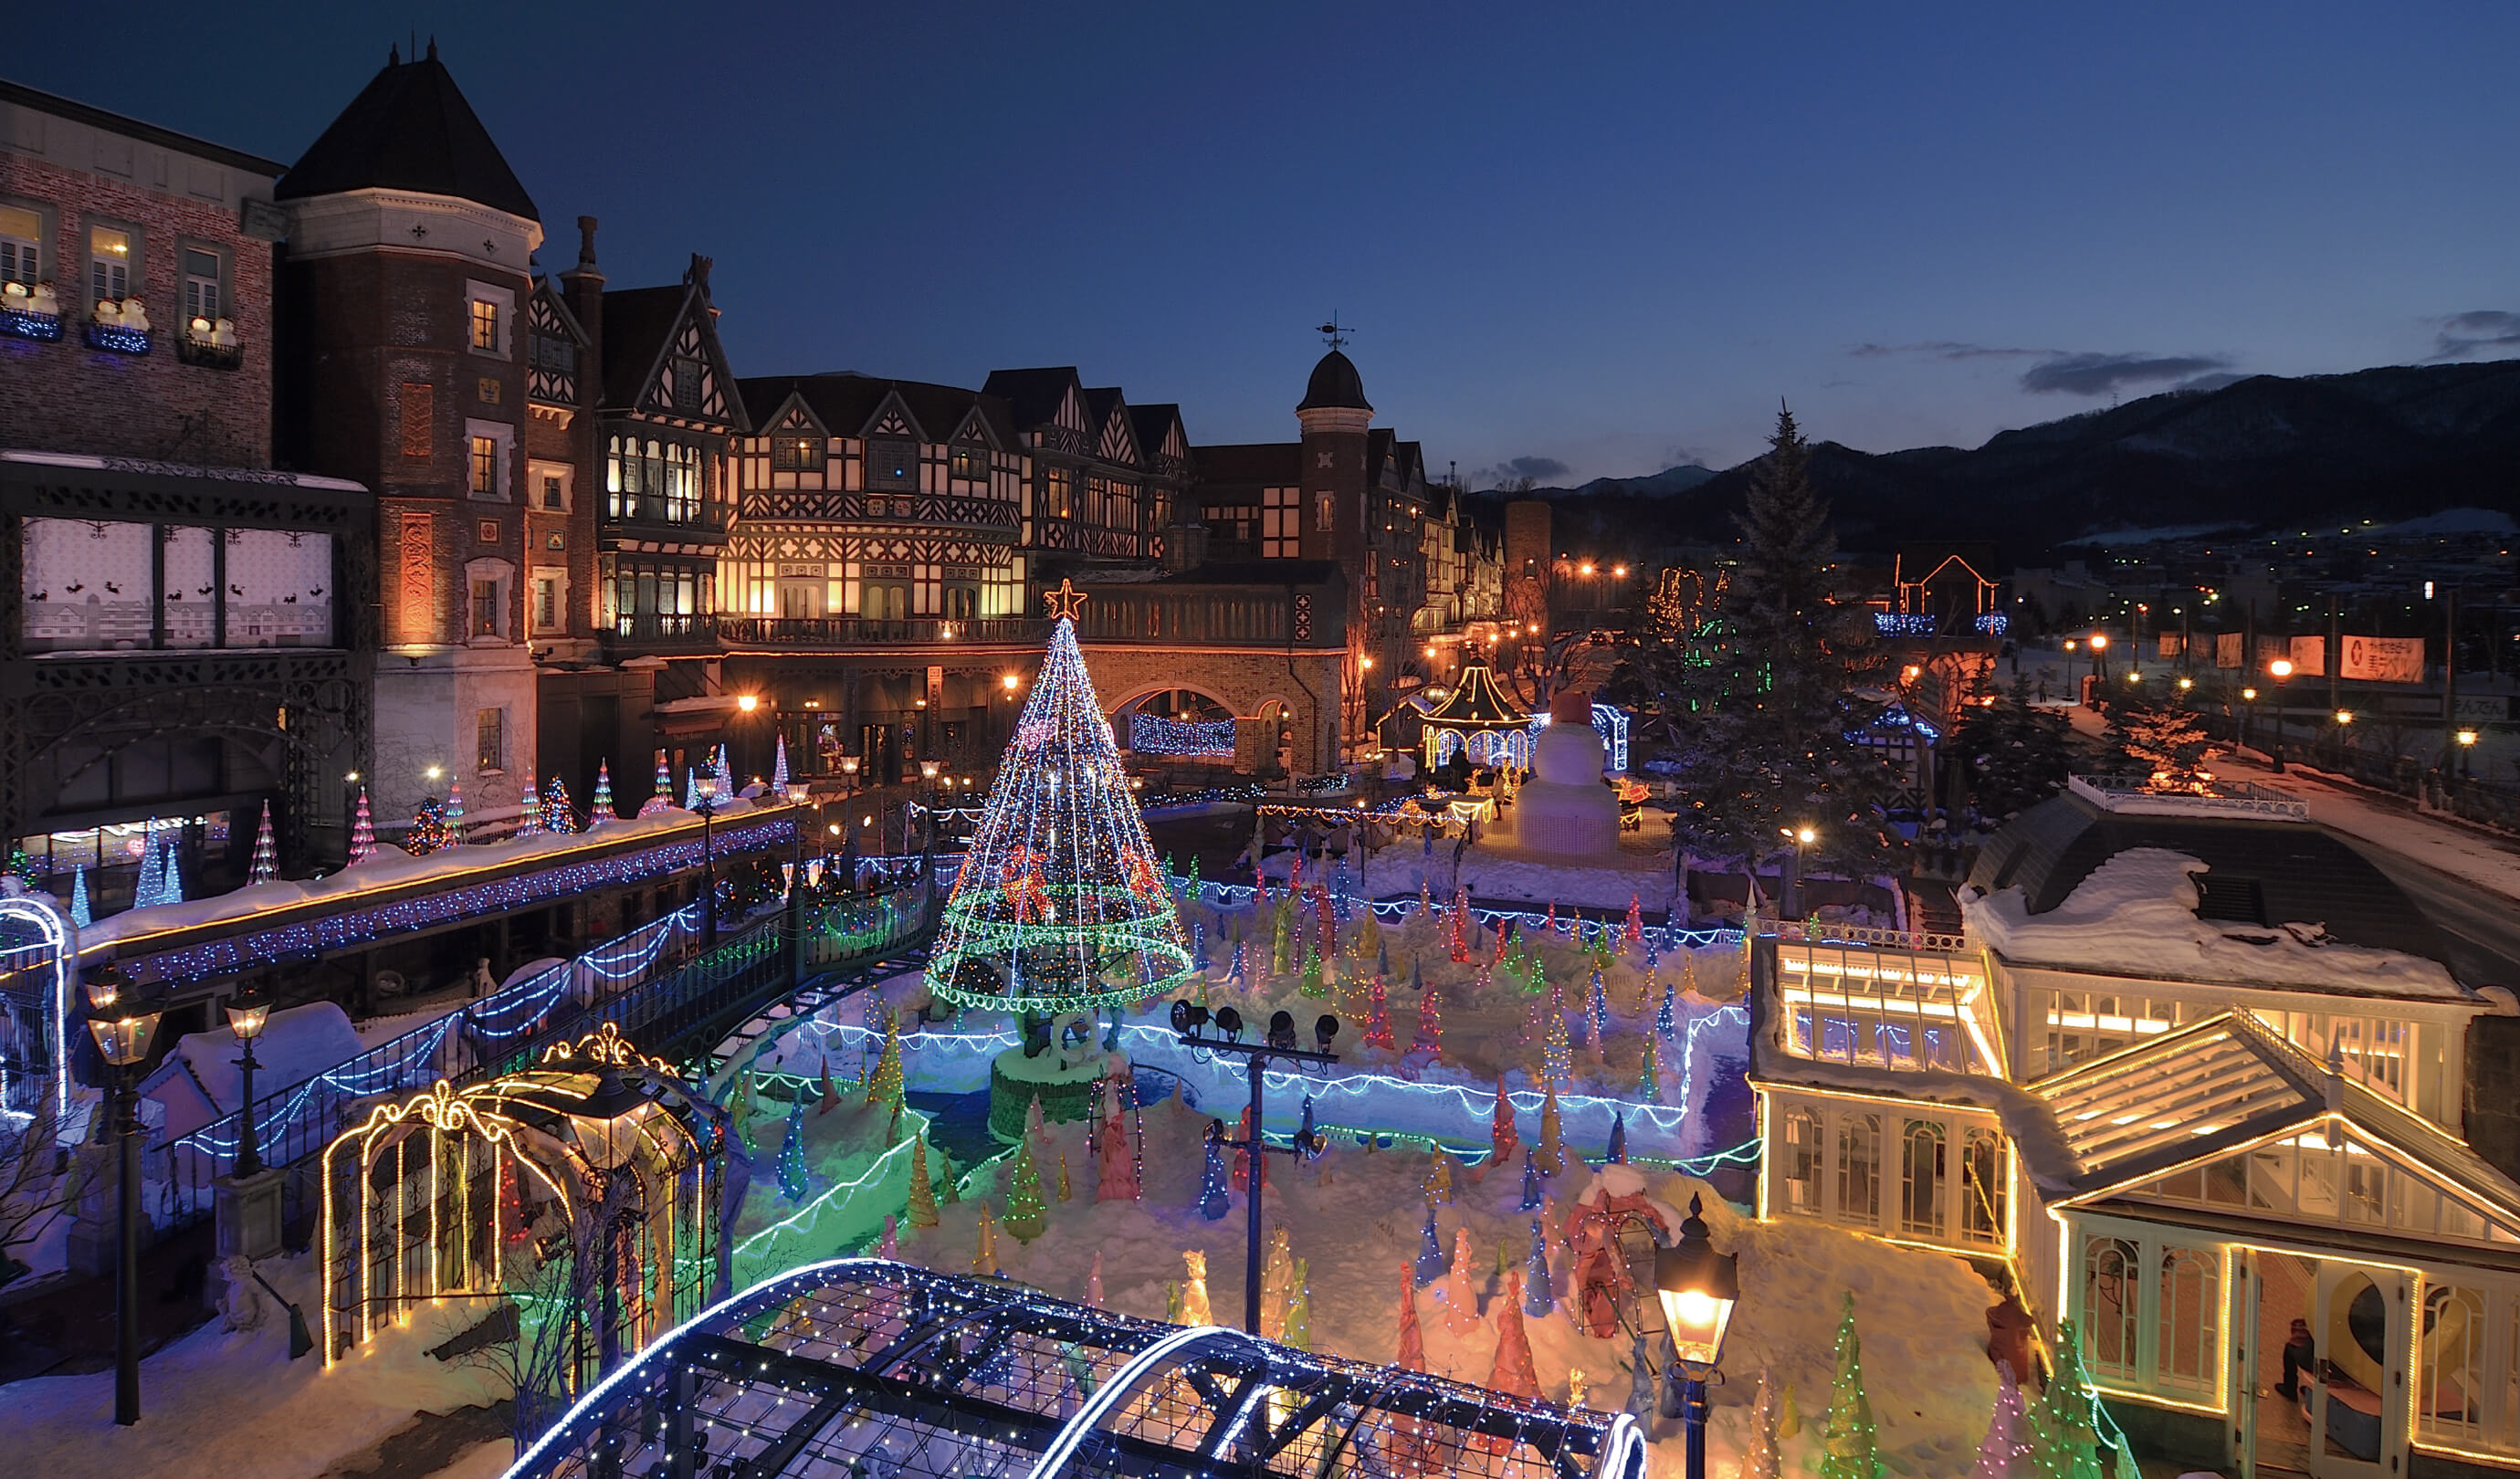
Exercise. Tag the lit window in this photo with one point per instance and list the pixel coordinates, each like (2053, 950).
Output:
(109, 263)
(791, 453)
(485, 467)
(546, 602)
(490, 741)
(485, 607)
(485, 324)
(22, 259)
(1326, 513)
(971, 462)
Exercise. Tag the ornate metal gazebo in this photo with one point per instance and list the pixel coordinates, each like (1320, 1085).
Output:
(585, 1192)
(1477, 716)
(861, 1368)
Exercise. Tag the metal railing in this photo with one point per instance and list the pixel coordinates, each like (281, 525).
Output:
(870, 631)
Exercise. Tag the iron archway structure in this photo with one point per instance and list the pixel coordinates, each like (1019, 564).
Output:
(859, 1369)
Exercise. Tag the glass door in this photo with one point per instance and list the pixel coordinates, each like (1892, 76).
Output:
(2358, 1410)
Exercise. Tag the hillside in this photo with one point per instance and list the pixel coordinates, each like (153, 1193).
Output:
(2390, 443)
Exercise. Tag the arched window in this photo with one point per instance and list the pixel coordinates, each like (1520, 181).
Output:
(1982, 1187)
(2189, 1355)
(1921, 1179)
(1802, 1162)
(2110, 1272)
(1858, 1169)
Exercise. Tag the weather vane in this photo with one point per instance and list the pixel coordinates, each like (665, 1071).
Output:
(1333, 333)
(1064, 601)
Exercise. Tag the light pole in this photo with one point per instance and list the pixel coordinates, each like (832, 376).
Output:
(1698, 1288)
(123, 1026)
(849, 843)
(798, 794)
(1187, 1017)
(927, 771)
(2249, 711)
(2280, 670)
(247, 1011)
(2100, 656)
(2466, 740)
(1790, 900)
(706, 788)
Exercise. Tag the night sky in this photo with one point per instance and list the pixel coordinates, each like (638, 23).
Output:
(1572, 242)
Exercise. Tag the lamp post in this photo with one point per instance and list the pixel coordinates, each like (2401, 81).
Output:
(2100, 656)
(2249, 711)
(1789, 898)
(2466, 740)
(247, 1011)
(848, 849)
(1699, 1291)
(705, 788)
(2344, 721)
(2280, 670)
(1698, 1288)
(123, 1026)
(927, 771)
(1187, 1017)
(608, 1125)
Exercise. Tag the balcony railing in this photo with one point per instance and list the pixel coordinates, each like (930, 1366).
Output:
(829, 632)
(661, 628)
(657, 508)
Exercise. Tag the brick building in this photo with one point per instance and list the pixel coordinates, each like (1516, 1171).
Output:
(187, 640)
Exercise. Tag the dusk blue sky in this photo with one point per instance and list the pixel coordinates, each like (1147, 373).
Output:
(1602, 241)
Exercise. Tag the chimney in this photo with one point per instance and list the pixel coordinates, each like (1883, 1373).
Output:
(582, 287)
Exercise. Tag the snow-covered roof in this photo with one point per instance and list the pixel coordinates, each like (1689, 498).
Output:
(2137, 913)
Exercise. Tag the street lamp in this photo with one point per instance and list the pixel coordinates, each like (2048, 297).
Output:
(1698, 1288)
(2467, 739)
(247, 1011)
(2249, 711)
(705, 788)
(1187, 1017)
(1789, 901)
(2100, 656)
(123, 1026)
(798, 793)
(2280, 670)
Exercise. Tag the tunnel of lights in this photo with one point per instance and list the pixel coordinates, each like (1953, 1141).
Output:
(858, 1369)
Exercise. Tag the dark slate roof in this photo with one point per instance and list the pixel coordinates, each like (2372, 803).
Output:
(2303, 873)
(1033, 395)
(844, 402)
(1274, 463)
(1334, 382)
(638, 323)
(1153, 423)
(409, 129)
(17, 95)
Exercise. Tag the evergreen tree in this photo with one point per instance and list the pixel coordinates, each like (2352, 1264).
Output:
(559, 815)
(984, 1257)
(82, 914)
(2163, 742)
(1430, 1251)
(1531, 1193)
(1617, 1154)
(2013, 753)
(2062, 1435)
(1760, 1458)
(1757, 714)
(883, 1084)
(1025, 1210)
(1539, 1300)
(1377, 1021)
(600, 810)
(1847, 1449)
(923, 1192)
(428, 828)
(1649, 1080)
(266, 866)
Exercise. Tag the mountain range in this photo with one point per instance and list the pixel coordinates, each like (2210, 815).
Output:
(2263, 453)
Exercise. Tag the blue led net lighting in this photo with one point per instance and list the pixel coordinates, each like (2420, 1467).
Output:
(1155, 735)
(1061, 904)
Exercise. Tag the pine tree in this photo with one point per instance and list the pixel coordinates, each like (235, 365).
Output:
(1439, 1180)
(2164, 742)
(1514, 1372)
(1632, 934)
(21, 866)
(1539, 1300)
(1758, 712)
(266, 866)
(1024, 1209)
(1061, 905)
(660, 797)
(883, 1084)
(1277, 1286)
(81, 914)
(1666, 1017)
(1430, 1251)
(779, 766)
(1557, 1057)
(1502, 1140)
(1847, 1449)
(2061, 1428)
(1551, 1154)
(1761, 1456)
(1649, 1078)
(923, 1192)
(725, 775)
(1596, 1011)
(363, 832)
(791, 1152)
(1212, 1201)
(2013, 753)
(2007, 1451)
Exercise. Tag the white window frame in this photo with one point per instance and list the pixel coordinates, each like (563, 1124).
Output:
(2152, 1241)
(221, 281)
(504, 573)
(1888, 1168)
(504, 300)
(536, 473)
(38, 250)
(135, 279)
(557, 575)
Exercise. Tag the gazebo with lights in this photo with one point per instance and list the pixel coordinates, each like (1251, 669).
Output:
(1478, 717)
(584, 1191)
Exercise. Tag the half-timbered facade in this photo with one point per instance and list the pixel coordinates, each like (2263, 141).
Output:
(1097, 493)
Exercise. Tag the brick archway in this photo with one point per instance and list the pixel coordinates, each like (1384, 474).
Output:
(1245, 681)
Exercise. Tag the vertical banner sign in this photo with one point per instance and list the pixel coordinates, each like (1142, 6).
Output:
(2385, 659)
(2309, 657)
(2227, 650)
(2172, 644)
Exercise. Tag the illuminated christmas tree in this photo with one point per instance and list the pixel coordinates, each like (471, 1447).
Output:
(1514, 1372)
(779, 766)
(20, 865)
(559, 816)
(1532, 1195)
(1377, 1020)
(601, 811)
(883, 1084)
(1847, 1445)
(690, 790)
(791, 1152)
(515, 1226)
(661, 798)
(1649, 1080)
(1666, 1017)
(150, 888)
(1633, 934)
(1430, 1036)
(1762, 1458)
(530, 813)
(1558, 1056)
(1212, 1201)
(725, 775)
(454, 815)
(1024, 1213)
(923, 1192)
(1461, 1299)
(363, 830)
(1596, 1011)
(1617, 1155)
(2007, 1451)
(984, 1260)
(1551, 1152)
(1059, 905)
(1538, 1301)
(266, 866)
(80, 913)
(428, 828)
(1503, 1138)
(1094, 1282)
(2063, 1430)
(1430, 1252)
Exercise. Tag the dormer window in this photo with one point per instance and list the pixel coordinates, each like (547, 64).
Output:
(686, 384)
(790, 452)
(971, 462)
